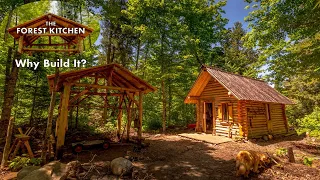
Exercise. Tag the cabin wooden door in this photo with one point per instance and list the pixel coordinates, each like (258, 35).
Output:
(209, 122)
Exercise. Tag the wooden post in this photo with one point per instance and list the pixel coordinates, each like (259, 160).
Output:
(62, 122)
(8, 143)
(204, 117)
(213, 118)
(119, 117)
(201, 116)
(105, 109)
(140, 115)
(20, 47)
(198, 116)
(283, 107)
(291, 155)
(129, 119)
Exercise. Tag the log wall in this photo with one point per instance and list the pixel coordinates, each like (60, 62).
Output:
(278, 118)
(257, 122)
(256, 119)
(215, 93)
(249, 118)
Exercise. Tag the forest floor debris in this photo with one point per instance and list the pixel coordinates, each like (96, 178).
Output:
(171, 156)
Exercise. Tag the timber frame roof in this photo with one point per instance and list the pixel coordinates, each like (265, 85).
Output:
(117, 76)
(241, 87)
(41, 22)
(72, 43)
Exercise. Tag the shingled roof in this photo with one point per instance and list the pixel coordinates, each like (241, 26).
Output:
(242, 88)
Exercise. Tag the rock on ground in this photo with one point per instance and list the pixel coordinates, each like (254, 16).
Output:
(121, 166)
(25, 171)
(51, 171)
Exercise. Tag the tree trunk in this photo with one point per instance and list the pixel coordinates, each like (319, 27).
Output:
(138, 53)
(5, 37)
(145, 60)
(71, 116)
(9, 97)
(8, 144)
(109, 48)
(113, 54)
(291, 155)
(170, 102)
(34, 101)
(50, 117)
(77, 117)
(164, 102)
(8, 67)
(164, 106)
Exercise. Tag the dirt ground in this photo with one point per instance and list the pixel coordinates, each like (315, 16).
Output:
(173, 157)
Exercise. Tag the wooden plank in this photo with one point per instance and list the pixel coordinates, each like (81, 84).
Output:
(49, 50)
(62, 122)
(59, 44)
(104, 87)
(98, 93)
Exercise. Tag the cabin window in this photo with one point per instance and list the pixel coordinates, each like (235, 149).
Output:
(268, 111)
(225, 112)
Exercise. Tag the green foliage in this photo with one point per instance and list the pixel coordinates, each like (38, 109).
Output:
(286, 35)
(234, 56)
(153, 124)
(108, 128)
(22, 161)
(281, 152)
(307, 161)
(310, 123)
(32, 97)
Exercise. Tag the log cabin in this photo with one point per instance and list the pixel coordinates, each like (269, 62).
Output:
(232, 105)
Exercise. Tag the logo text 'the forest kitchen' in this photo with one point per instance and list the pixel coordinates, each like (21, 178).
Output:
(51, 29)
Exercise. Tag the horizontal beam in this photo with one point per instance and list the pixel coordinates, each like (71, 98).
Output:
(105, 87)
(98, 93)
(90, 106)
(50, 50)
(60, 44)
(59, 34)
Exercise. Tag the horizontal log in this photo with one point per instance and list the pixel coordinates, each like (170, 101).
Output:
(50, 50)
(258, 128)
(97, 93)
(58, 34)
(92, 106)
(105, 87)
(61, 44)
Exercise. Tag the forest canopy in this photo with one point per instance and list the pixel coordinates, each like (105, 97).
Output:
(166, 43)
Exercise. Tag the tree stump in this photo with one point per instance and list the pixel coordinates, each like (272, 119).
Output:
(291, 155)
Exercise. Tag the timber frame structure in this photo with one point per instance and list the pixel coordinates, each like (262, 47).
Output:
(233, 105)
(72, 43)
(106, 81)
